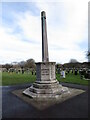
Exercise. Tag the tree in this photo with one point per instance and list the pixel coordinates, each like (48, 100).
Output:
(30, 63)
(16, 66)
(22, 64)
(88, 55)
(73, 61)
(8, 66)
(58, 65)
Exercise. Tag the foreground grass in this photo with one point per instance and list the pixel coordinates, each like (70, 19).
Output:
(71, 78)
(16, 79)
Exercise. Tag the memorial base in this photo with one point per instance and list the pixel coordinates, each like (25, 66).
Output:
(46, 85)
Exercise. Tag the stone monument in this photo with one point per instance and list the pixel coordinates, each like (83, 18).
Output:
(62, 74)
(46, 86)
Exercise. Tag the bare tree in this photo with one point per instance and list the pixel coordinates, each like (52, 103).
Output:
(30, 63)
(7, 66)
(73, 61)
(22, 64)
(88, 55)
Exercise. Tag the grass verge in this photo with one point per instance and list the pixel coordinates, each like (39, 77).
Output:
(16, 79)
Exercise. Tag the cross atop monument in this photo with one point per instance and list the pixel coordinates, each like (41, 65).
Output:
(45, 57)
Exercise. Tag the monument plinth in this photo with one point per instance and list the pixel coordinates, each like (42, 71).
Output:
(46, 86)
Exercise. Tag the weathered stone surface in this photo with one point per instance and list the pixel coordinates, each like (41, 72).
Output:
(46, 85)
(45, 71)
(45, 56)
(46, 101)
(49, 93)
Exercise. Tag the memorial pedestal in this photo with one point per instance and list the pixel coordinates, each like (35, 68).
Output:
(46, 85)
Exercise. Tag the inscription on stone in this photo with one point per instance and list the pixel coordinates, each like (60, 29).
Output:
(52, 71)
(44, 71)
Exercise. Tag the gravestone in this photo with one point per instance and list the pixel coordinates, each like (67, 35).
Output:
(58, 70)
(72, 71)
(22, 71)
(62, 74)
(68, 70)
(32, 72)
(76, 72)
(46, 86)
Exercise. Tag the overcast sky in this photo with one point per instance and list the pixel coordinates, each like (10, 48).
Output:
(20, 30)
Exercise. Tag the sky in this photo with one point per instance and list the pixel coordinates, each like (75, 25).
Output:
(20, 30)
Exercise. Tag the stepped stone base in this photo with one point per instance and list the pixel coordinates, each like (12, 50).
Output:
(40, 94)
(46, 85)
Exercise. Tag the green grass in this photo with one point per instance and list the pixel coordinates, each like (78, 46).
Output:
(15, 79)
(71, 78)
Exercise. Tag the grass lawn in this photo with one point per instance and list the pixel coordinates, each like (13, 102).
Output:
(71, 78)
(15, 79)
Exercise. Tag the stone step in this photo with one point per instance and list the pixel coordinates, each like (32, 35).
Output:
(45, 91)
(46, 86)
(41, 96)
(47, 82)
(46, 96)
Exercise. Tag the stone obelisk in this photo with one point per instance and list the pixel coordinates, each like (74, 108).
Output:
(46, 86)
(45, 57)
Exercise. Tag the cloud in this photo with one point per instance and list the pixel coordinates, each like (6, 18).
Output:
(70, 31)
(13, 48)
(66, 29)
(30, 26)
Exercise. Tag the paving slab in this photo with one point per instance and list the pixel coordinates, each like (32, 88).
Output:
(44, 103)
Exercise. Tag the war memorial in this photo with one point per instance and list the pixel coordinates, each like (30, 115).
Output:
(46, 97)
(46, 90)
(46, 85)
